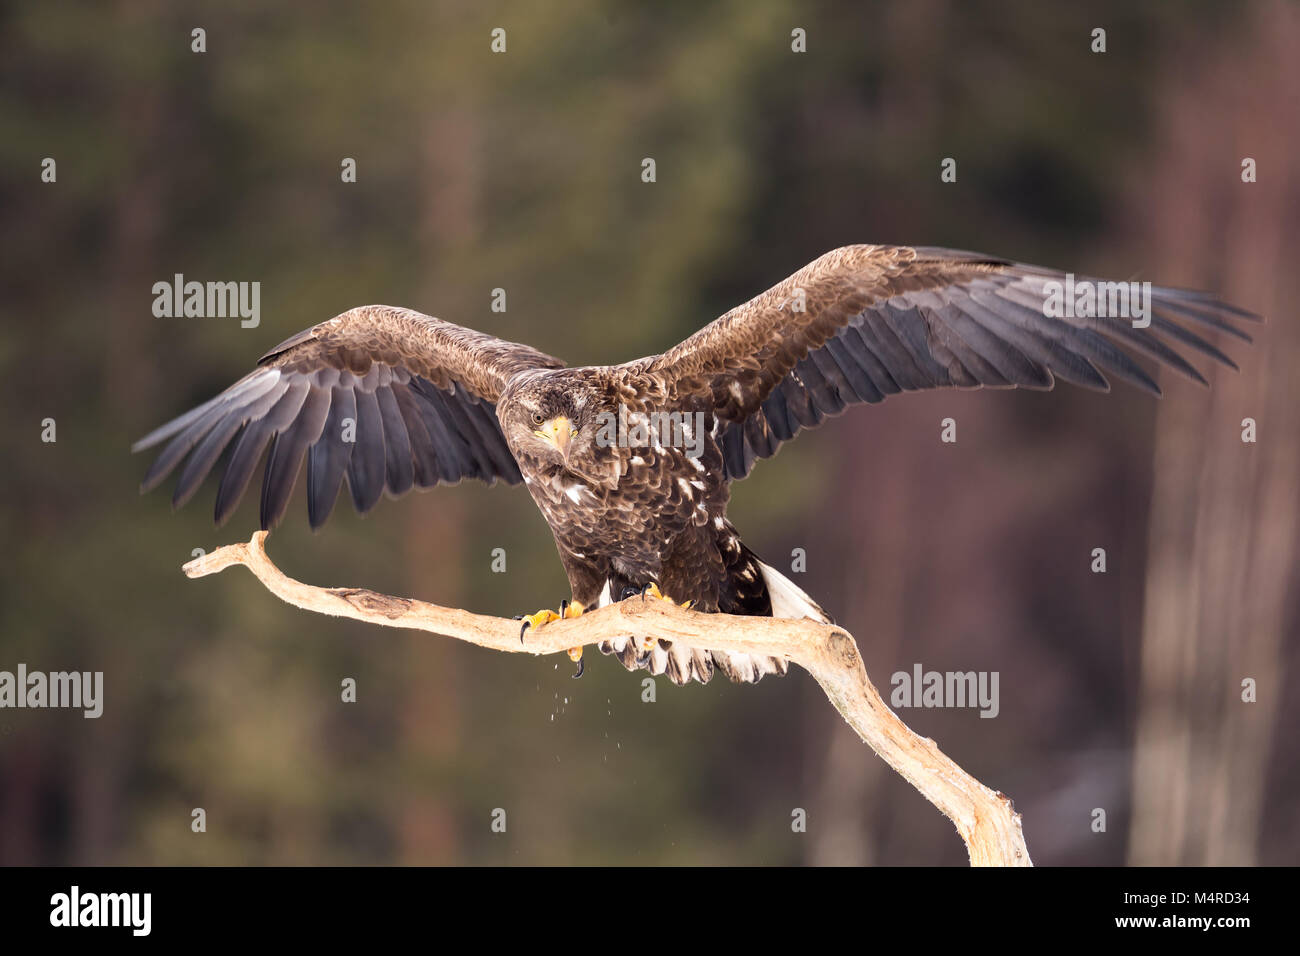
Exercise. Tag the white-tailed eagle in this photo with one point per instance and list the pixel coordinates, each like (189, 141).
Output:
(632, 465)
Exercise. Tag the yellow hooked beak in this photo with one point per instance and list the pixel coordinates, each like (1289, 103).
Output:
(559, 431)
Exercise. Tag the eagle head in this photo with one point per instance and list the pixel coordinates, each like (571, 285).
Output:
(553, 420)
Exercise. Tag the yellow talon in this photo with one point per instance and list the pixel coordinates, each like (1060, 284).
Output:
(544, 616)
(568, 611)
(654, 592)
(652, 589)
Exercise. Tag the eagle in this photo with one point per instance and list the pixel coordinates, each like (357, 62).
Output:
(631, 465)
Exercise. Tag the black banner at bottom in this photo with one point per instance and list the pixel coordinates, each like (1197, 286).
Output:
(123, 905)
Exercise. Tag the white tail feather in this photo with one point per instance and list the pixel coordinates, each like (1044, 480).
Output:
(788, 600)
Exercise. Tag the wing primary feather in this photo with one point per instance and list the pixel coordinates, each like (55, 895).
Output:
(179, 447)
(778, 416)
(1046, 355)
(759, 436)
(491, 442)
(454, 461)
(824, 392)
(733, 445)
(249, 448)
(858, 345)
(456, 419)
(798, 401)
(284, 462)
(1005, 359)
(248, 388)
(215, 442)
(1190, 339)
(398, 468)
(328, 458)
(213, 412)
(1028, 302)
(366, 467)
(968, 365)
(204, 457)
(879, 334)
(423, 457)
(863, 387)
(1207, 312)
(1151, 345)
(909, 328)
(1100, 351)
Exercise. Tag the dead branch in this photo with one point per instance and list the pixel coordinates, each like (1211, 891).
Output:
(984, 818)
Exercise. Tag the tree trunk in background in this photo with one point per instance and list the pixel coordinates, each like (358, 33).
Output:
(847, 781)
(132, 267)
(433, 548)
(1224, 518)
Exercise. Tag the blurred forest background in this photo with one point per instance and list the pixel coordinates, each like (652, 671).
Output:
(521, 170)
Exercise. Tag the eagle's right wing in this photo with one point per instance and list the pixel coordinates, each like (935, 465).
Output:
(390, 397)
(861, 323)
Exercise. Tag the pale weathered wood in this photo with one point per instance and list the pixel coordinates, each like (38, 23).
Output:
(984, 818)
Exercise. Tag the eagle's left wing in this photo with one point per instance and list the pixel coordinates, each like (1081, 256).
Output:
(863, 322)
(385, 397)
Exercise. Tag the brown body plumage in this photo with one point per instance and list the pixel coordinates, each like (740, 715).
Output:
(391, 398)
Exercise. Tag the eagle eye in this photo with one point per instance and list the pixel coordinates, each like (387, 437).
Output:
(537, 418)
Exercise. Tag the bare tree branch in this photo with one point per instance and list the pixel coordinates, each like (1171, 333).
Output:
(984, 818)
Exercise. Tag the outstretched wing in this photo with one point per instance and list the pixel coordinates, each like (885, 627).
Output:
(864, 322)
(387, 396)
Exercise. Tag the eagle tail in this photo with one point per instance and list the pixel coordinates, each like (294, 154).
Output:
(749, 587)
(752, 587)
(788, 599)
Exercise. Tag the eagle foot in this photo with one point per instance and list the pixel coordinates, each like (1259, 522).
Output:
(652, 589)
(568, 610)
(546, 616)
